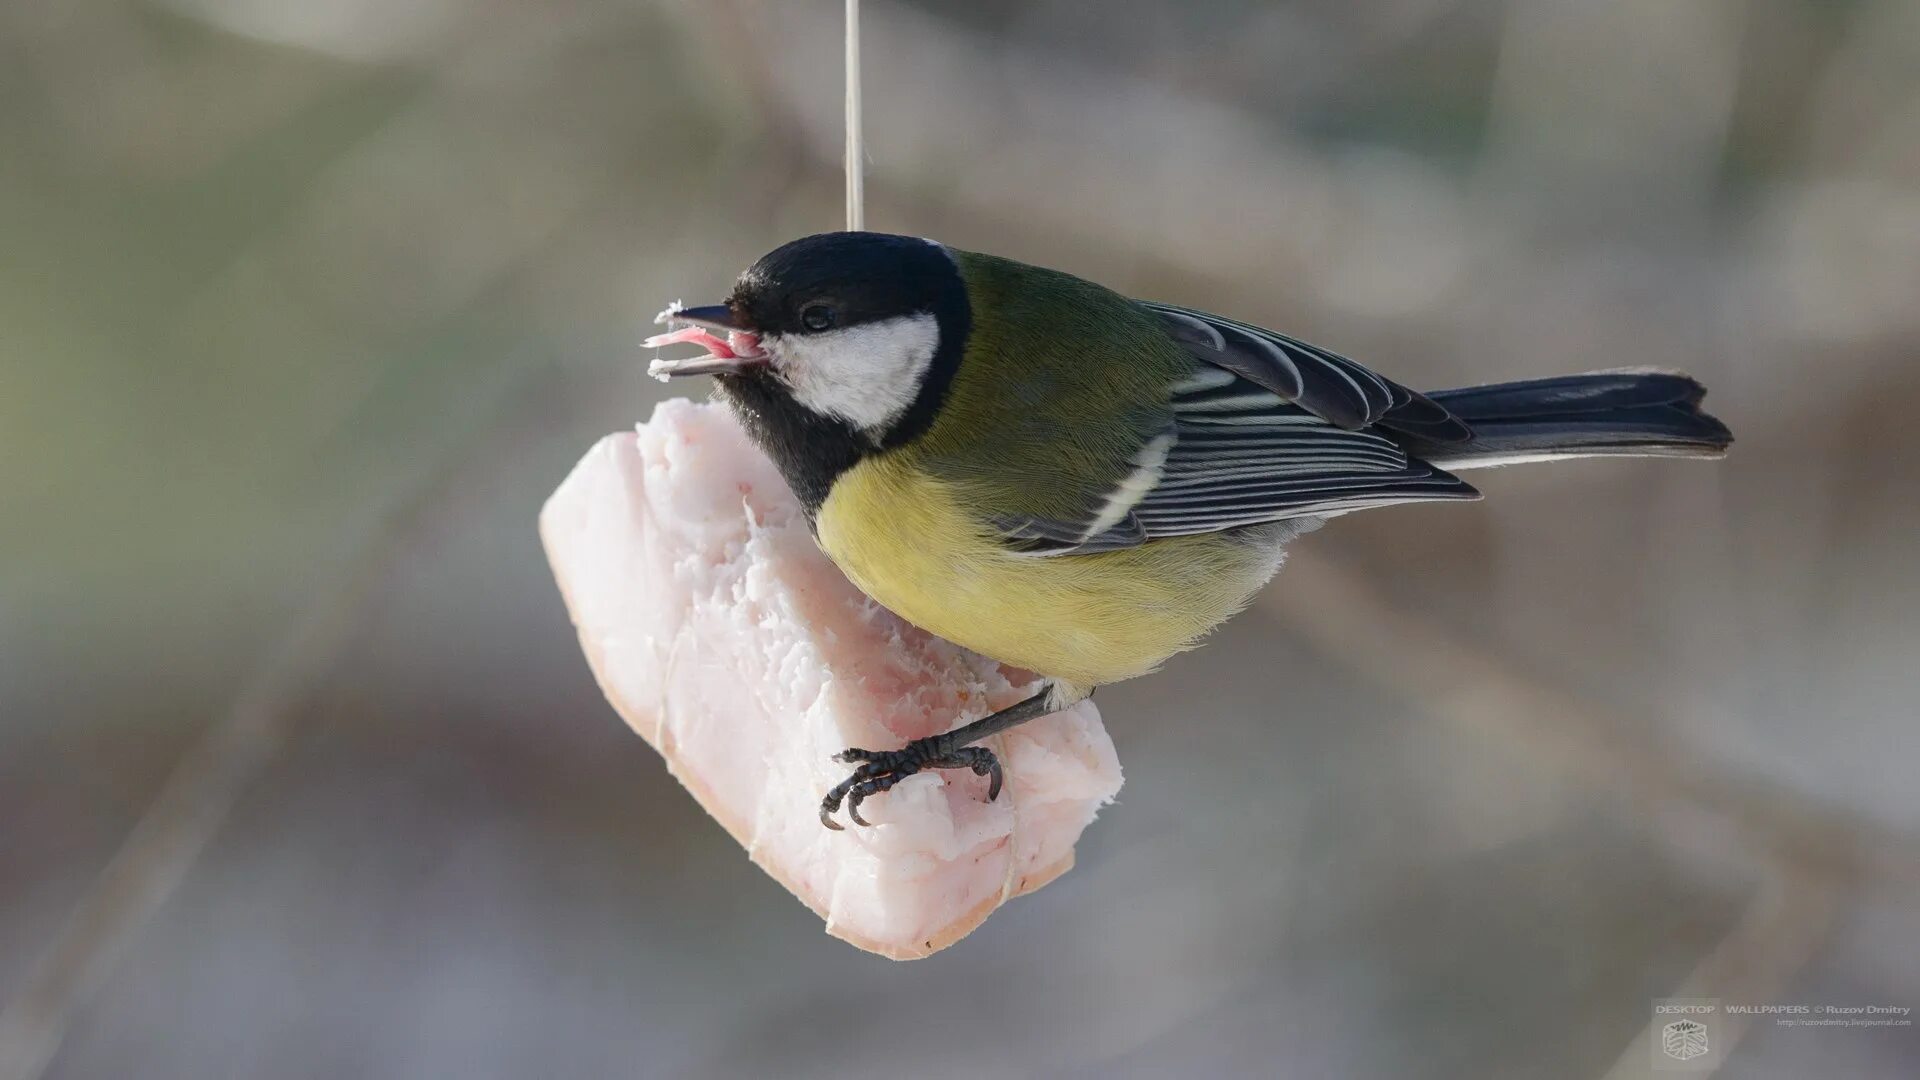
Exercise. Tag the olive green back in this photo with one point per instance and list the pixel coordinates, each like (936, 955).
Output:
(1062, 383)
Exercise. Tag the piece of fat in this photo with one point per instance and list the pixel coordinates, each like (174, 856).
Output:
(722, 635)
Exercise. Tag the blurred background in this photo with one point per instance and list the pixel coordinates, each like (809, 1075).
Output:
(305, 307)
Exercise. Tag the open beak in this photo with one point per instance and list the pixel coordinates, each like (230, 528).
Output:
(718, 317)
(731, 349)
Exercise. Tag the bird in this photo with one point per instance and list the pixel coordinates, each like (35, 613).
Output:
(1081, 484)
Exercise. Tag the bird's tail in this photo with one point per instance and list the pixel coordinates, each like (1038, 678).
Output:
(1629, 413)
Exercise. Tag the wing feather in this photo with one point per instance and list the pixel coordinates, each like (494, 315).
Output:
(1265, 428)
(1326, 384)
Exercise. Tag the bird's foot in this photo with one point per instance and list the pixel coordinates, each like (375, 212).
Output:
(881, 769)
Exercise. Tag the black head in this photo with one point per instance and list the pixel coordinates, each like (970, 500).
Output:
(846, 279)
(843, 344)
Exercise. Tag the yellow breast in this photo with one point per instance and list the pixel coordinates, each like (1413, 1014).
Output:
(900, 535)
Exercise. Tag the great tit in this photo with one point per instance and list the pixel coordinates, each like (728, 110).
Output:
(1081, 484)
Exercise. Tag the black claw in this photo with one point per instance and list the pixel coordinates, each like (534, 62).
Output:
(881, 770)
(831, 804)
(853, 809)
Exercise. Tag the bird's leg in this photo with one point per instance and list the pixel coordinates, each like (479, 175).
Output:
(881, 769)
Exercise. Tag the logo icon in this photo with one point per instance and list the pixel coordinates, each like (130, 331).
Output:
(1684, 1040)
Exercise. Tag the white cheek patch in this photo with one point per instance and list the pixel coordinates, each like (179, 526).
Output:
(867, 375)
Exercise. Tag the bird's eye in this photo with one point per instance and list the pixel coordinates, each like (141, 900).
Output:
(816, 317)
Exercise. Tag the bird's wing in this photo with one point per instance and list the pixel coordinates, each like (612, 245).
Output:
(1326, 384)
(1265, 427)
(1244, 456)
(1236, 455)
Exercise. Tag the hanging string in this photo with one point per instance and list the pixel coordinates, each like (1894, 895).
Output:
(856, 193)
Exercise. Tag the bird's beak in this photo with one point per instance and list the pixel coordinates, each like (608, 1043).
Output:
(716, 317)
(731, 349)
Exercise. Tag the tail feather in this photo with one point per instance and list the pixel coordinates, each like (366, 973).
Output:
(1630, 413)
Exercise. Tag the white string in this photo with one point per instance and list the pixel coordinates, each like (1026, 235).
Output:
(856, 194)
